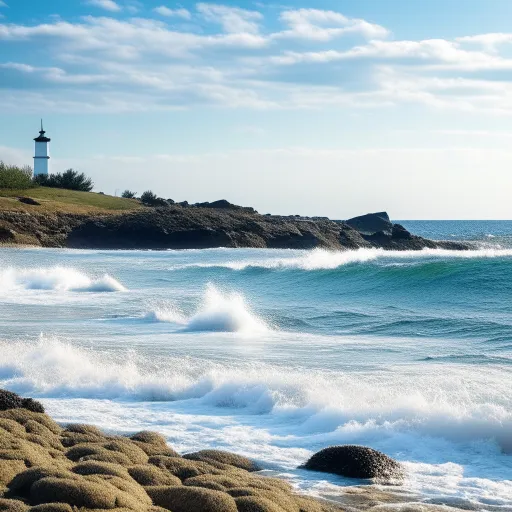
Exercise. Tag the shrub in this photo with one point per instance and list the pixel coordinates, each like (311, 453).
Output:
(128, 194)
(14, 177)
(149, 198)
(70, 180)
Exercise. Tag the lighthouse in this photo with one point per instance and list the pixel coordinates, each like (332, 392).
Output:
(42, 158)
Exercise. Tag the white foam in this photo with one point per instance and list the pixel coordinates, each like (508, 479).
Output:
(61, 279)
(218, 312)
(322, 259)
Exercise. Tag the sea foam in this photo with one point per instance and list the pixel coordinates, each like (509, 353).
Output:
(219, 312)
(61, 279)
(338, 408)
(323, 259)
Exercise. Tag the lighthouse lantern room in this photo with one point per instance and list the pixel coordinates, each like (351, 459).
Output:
(42, 154)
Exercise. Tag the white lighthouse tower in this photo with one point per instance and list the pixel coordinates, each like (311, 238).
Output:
(42, 158)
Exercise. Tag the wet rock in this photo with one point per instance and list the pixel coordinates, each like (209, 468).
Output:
(354, 462)
(371, 223)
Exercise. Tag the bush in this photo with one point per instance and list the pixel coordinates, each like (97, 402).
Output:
(128, 194)
(14, 177)
(149, 198)
(70, 180)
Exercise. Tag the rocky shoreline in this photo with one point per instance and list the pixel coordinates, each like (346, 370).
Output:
(205, 226)
(46, 467)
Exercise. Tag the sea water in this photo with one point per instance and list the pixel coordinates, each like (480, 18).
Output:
(276, 354)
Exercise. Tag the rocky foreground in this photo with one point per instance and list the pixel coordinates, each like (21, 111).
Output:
(45, 467)
(207, 225)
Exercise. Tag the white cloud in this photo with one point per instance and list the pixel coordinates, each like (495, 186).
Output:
(108, 5)
(144, 64)
(177, 13)
(233, 19)
(488, 41)
(319, 25)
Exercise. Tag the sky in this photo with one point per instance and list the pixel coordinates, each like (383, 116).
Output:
(320, 107)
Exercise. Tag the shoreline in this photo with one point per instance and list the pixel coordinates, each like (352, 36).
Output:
(45, 466)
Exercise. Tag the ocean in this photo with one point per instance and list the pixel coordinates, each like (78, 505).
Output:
(276, 354)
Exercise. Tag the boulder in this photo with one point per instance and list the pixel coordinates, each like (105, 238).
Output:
(371, 223)
(10, 400)
(28, 200)
(7, 235)
(354, 462)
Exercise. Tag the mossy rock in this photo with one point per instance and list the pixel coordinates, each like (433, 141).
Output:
(80, 428)
(12, 506)
(52, 507)
(148, 437)
(9, 469)
(221, 482)
(354, 462)
(191, 499)
(149, 475)
(285, 501)
(12, 427)
(183, 468)
(135, 454)
(230, 459)
(89, 492)
(92, 467)
(23, 416)
(256, 504)
(20, 485)
(95, 451)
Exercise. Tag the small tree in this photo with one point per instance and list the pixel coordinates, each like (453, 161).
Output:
(128, 194)
(70, 179)
(149, 198)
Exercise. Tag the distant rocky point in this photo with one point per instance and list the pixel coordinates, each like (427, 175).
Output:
(206, 225)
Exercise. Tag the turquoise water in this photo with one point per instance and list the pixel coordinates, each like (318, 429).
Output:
(276, 354)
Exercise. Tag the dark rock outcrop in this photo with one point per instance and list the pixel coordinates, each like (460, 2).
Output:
(226, 205)
(7, 235)
(354, 462)
(371, 223)
(178, 226)
(10, 400)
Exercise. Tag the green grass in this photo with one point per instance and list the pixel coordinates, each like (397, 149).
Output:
(66, 201)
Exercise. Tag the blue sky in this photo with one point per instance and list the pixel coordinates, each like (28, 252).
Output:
(332, 107)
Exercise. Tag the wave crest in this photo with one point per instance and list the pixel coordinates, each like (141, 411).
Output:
(219, 312)
(60, 279)
(323, 259)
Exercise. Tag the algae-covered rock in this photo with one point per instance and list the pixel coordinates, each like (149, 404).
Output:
(354, 462)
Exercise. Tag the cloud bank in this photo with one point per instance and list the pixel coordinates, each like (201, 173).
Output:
(224, 56)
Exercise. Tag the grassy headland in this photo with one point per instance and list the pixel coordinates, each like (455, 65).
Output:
(56, 200)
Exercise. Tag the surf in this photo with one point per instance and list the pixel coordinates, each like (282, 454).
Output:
(59, 279)
(218, 312)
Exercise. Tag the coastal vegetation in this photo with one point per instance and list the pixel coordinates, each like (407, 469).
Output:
(69, 180)
(61, 201)
(15, 177)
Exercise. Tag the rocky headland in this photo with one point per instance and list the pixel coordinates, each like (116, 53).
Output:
(206, 225)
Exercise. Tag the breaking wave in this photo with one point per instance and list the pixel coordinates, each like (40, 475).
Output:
(340, 408)
(60, 279)
(218, 312)
(322, 259)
